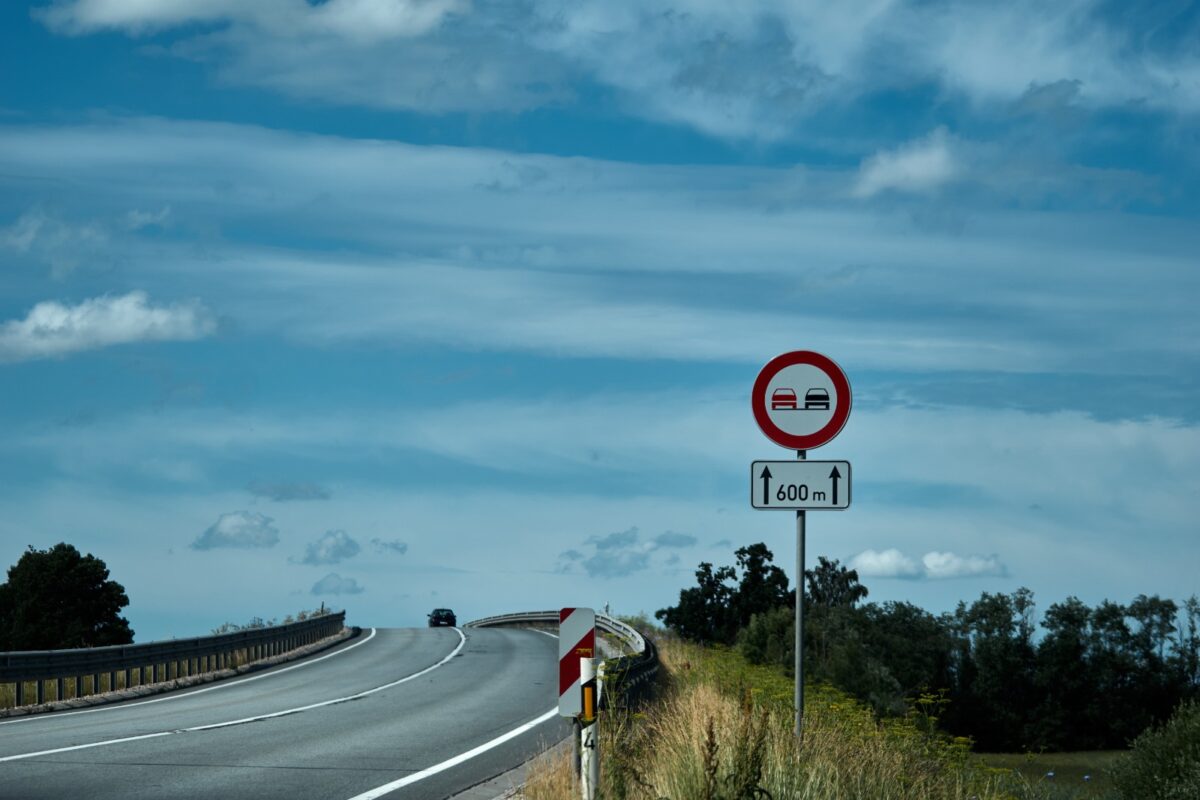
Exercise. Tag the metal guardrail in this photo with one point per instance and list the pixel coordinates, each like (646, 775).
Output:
(165, 660)
(630, 677)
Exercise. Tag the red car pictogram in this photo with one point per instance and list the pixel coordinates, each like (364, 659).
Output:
(783, 398)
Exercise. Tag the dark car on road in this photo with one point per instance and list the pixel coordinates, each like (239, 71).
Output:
(442, 616)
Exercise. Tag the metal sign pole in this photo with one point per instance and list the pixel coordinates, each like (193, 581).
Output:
(799, 698)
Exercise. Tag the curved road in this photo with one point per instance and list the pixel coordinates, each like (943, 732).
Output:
(401, 713)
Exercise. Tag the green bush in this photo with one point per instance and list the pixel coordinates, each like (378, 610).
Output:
(769, 639)
(1164, 763)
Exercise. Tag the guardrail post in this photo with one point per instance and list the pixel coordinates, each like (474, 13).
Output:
(41, 691)
(60, 691)
(20, 693)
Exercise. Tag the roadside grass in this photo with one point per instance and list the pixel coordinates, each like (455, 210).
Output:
(721, 729)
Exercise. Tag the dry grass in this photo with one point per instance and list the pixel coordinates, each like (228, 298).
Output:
(722, 730)
(551, 777)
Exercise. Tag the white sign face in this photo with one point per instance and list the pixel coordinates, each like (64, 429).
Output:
(801, 399)
(800, 484)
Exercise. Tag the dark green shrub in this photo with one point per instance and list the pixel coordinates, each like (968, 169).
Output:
(769, 639)
(1164, 763)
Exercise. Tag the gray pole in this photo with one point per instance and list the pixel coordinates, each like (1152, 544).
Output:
(799, 699)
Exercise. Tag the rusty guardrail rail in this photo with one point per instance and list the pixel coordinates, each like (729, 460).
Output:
(165, 660)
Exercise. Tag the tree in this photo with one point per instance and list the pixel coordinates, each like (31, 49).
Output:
(703, 613)
(831, 585)
(763, 586)
(1065, 680)
(714, 610)
(1000, 630)
(57, 598)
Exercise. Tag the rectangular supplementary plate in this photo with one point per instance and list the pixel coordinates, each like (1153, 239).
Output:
(810, 485)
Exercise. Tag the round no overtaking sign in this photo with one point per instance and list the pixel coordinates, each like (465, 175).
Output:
(801, 399)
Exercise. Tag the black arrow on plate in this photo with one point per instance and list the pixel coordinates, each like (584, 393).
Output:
(835, 475)
(766, 478)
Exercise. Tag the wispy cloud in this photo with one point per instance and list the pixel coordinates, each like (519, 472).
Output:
(238, 529)
(137, 219)
(50, 240)
(353, 20)
(935, 565)
(390, 546)
(334, 584)
(673, 539)
(53, 329)
(621, 553)
(534, 272)
(285, 492)
(739, 71)
(333, 547)
(919, 166)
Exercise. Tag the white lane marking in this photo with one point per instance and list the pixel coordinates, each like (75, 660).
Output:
(183, 694)
(380, 791)
(462, 640)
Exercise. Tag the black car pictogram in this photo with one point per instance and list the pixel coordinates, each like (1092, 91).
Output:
(816, 398)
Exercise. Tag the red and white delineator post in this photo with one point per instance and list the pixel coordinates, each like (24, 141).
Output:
(578, 689)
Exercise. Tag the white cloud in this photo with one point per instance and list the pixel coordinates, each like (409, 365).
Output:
(53, 329)
(949, 565)
(918, 166)
(935, 565)
(239, 529)
(332, 548)
(889, 563)
(336, 584)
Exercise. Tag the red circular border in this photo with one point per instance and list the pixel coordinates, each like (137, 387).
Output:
(758, 400)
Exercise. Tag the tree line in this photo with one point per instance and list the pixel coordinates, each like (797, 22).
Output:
(1081, 678)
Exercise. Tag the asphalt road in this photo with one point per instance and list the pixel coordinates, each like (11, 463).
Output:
(390, 714)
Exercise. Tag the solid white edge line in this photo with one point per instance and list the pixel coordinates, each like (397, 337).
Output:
(183, 692)
(20, 756)
(380, 791)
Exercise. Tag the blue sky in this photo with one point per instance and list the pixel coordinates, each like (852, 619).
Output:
(395, 304)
